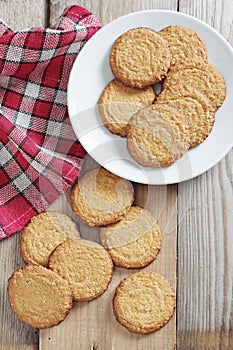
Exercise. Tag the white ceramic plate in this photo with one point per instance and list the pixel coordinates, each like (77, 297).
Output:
(91, 72)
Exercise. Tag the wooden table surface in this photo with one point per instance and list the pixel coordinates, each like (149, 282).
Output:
(196, 218)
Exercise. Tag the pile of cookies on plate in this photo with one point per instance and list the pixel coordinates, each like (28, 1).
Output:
(62, 267)
(161, 128)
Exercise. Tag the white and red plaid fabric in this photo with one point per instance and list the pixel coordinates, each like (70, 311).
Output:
(39, 154)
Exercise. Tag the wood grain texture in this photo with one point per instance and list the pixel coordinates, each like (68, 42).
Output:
(205, 268)
(21, 14)
(92, 325)
(107, 10)
(15, 335)
(205, 238)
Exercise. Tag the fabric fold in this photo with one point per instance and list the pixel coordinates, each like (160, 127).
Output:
(40, 156)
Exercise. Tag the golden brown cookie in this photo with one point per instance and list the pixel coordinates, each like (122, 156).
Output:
(202, 76)
(197, 108)
(133, 242)
(44, 232)
(144, 302)
(38, 296)
(101, 198)
(185, 44)
(86, 265)
(140, 57)
(158, 135)
(119, 102)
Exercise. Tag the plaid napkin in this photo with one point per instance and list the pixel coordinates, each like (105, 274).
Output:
(39, 154)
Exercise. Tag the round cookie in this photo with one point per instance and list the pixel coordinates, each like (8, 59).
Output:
(101, 198)
(158, 135)
(43, 233)
(144, 302)
(140, 57)
(185, 44)
(86, 265)
(38, 296)
(196, 107)
(119, 102)
(133, 242)
(202, 76)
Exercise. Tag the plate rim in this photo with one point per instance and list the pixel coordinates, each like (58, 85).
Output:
(71, 113)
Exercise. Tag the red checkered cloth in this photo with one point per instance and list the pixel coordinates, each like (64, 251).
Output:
(39, 154)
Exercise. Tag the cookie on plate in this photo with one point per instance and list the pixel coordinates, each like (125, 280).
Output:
(202, 76)
(133, 242)
(144, 302)
(86, 265)
(158, 135)
(101, 198)
(196, 107)
(119, 102)
(38, 296)
(140, 57)
(43, 233)
(185, 44)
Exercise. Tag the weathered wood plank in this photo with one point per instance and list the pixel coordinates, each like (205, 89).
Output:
(15, 335)
(21, 14)
(205, 239)
(107, 10)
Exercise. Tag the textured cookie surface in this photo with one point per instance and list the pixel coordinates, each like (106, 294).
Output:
(157, 135)
(133, 242)
(196, 107)
(101, 198)
(38, 296)
(86, 265)
(119, 102)
(202, 76)
(185, 44)
(140, 57)
(44, 232)
(144, 302)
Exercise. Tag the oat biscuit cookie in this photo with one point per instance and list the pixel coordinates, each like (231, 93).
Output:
(133, 242)
(86, 265)
(44, 232)
(202, 76)
(196, 107)
(158, 135)
(38, 296)
(185, 44)
(119, 102)
(140, 57)
(101, 198)
(144, 302)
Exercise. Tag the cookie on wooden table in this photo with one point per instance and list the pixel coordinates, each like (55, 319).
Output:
(101, 198)
(196, 107)
(119, 102)
(38, 296)
(133, 242)
(184, 43)
(140, 57)
(158, 135)
(43, 233)
(86, 265)
(144, 302)
(202, 76)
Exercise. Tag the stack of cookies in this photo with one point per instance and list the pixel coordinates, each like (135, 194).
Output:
(61, 266)
(161, 128)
